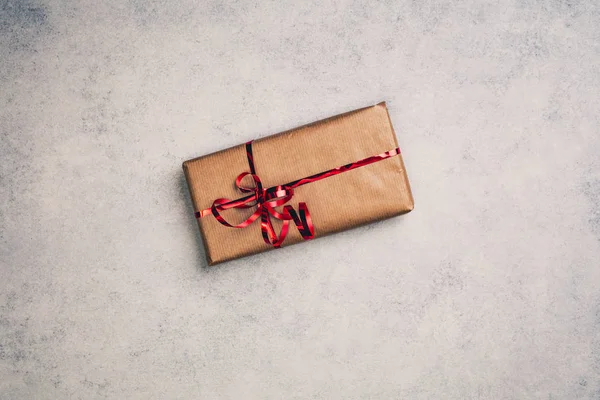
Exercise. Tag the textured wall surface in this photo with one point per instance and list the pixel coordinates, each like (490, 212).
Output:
(489, 289)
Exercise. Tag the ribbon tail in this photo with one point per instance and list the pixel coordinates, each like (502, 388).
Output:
(268, 232)
(302, 220)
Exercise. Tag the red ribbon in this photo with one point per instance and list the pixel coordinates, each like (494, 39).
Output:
(265, 200)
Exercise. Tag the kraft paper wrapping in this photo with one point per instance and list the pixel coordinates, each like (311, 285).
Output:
(366, 194)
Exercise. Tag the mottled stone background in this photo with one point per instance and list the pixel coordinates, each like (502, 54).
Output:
(490, 289)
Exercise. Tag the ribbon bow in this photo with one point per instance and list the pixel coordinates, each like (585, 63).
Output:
(265, 201)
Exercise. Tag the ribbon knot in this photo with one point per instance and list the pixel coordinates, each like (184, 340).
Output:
(265, 201)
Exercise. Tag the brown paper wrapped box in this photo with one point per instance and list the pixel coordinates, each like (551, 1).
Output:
(366, 194)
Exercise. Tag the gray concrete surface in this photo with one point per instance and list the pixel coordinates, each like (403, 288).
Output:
(490, 289)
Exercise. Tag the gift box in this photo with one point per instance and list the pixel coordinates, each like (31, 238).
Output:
(321, 178)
